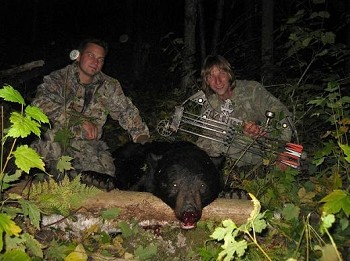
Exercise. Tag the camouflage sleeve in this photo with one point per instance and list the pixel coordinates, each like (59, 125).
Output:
(265, 101)
(49, 96)
(125, 112)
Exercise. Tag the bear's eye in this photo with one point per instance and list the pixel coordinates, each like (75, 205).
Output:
(174, 188)
(203, 188)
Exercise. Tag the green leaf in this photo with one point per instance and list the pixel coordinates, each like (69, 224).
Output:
(306, 196)
(328, 38)
(336, 201)
(15, 255)
(14, 177)
(346, 150)
(33, 245)
(306, 41)
(322, 53)
(328, 252)
(9, 227)
(146, 253)
(57, 251)
(319, 161)
(104, 237)
(290, 211)
(240, 247)
(259, 224)
(22, 126)
(293, 37)
(111, 213)
(31, 210)
(79, 254)
(220, 232)
(126, 229)
(228, 233)
(36, 113)
(327, 221)
(332, 86)
(296, 17)
(344, 100)
(344, 223)
(231, 248)
(8, 93)
(64, 163)
(27, 158)
(319, 101)
(226, 254)
(14, 243)
(63, 137)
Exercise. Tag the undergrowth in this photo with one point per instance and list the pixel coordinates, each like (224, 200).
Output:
(20, 217)
(293, 219)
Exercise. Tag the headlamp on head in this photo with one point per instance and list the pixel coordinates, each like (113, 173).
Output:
(74, 54)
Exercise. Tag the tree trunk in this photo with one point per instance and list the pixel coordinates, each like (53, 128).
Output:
(201, 26)
(217, 25)
(348, 31)
(249, 14)
(189, 44)
(139, 55)
(267, 40)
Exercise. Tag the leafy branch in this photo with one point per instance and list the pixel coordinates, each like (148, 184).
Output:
(22, 124)
(229, 232)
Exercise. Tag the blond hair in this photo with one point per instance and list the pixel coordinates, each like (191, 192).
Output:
(219, 61)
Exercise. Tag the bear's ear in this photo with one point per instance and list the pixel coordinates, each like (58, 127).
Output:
(219, 162)
(153, 160)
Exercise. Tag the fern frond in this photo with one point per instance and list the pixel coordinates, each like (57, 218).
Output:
(61, 198)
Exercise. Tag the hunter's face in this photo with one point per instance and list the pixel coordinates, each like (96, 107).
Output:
(90, 62)
(219, 82)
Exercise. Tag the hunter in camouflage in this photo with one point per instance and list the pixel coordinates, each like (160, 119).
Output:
(247, 101)
(77, 99)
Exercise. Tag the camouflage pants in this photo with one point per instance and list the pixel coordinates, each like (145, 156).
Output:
(90, 155)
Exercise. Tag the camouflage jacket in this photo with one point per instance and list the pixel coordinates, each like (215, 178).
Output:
(63, 98)
(249, 102)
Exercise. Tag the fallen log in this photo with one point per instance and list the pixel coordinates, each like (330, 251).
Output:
(22, 68)
(145, 206)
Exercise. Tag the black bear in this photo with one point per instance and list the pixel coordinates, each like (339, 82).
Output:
(179, 173)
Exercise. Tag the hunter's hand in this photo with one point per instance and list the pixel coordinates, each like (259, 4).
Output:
(253, 130)
(89, 130)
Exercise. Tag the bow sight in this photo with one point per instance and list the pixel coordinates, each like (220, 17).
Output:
(229, 131)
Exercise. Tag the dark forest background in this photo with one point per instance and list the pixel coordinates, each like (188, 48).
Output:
(139, 31)
(157, 47)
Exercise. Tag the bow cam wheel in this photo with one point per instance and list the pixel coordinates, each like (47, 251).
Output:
(163, 128)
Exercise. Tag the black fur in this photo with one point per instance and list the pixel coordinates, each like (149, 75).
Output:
(179, 173)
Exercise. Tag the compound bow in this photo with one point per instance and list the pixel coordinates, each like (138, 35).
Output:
(229, 132)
